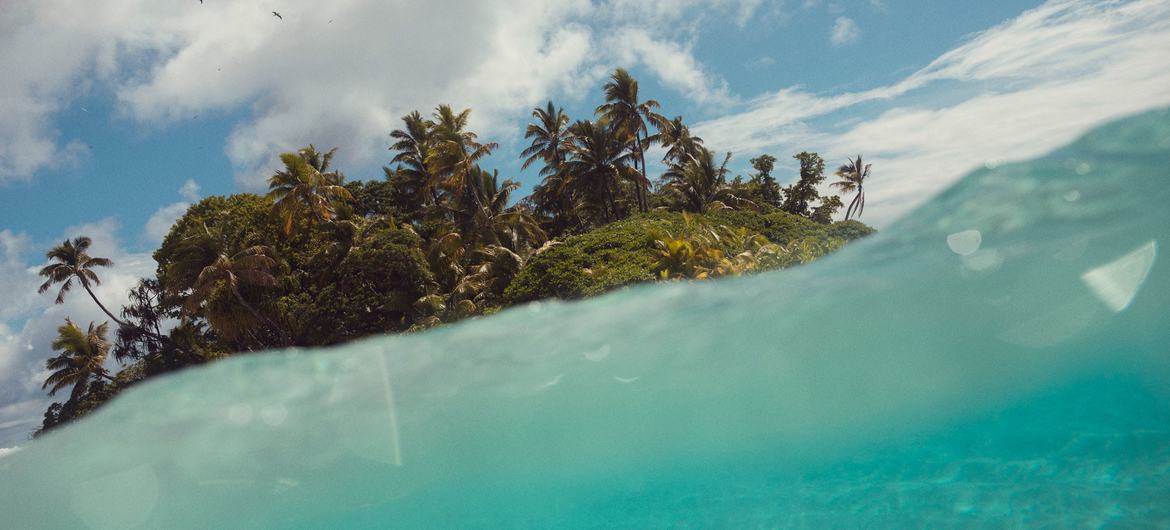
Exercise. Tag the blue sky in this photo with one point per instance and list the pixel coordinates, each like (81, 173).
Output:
(118, 114)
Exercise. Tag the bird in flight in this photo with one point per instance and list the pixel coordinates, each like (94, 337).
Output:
(277, 15)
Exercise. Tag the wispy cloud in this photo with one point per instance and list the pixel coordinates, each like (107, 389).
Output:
(1036, 82)
(190, 190)
(845, 31)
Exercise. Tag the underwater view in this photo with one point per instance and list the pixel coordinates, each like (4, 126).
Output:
(997, 359)
(584, 264)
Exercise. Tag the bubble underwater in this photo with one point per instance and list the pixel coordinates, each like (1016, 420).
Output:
(998, 357)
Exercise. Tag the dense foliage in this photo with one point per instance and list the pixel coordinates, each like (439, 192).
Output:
(319, 261)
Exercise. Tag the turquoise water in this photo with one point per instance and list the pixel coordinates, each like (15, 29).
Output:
(998, 358)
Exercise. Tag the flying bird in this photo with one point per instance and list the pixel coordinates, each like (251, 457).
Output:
(277, 15)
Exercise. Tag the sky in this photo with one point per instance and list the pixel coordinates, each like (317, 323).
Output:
(119, 114)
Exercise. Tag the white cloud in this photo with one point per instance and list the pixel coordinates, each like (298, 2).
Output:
(5, 451)
(35, 86)
(162, 220)
(845, 31)
(190, 190)
(1037, 82)
(762, 61)
(14, 249)
(669, 12)
(25, 346)
(672, 63)
(352, 71)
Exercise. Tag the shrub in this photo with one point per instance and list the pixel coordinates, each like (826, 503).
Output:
(631, 251)
(850, 230)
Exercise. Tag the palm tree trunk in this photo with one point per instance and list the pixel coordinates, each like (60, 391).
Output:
(85, 284)
(852, 206)
(284, 335)
(566, 215)
(606, 199)
(79, 389)
(643, 204)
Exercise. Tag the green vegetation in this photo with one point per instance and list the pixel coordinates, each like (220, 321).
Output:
(319, 261)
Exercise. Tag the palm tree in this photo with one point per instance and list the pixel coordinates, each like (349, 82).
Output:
(458, 151)
(497, 223)
(676, 137)
(83, 355)
(701, 185)
(219, 283)
(599, 159)
(549, 135)
(74, 262)
(629, 117)
(414, 144)
(305, 187)
(468, 288)
(494, 269)
(853, 175)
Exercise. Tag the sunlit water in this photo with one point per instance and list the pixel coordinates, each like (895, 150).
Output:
(998, 358)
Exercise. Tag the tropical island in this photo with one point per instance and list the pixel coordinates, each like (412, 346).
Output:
(320, 260)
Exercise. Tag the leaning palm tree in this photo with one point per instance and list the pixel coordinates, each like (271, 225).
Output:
(413, 144)
(219, 288)
(83, 356)
(305, 187)
(599, 160)
(629, 117)
(73, 262)
(853, 175)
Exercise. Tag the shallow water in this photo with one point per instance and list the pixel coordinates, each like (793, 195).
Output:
(998, 358)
